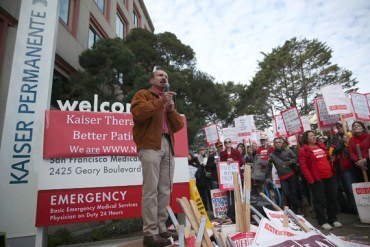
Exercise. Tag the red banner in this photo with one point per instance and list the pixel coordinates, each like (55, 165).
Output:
(67, 206)
(86, 134)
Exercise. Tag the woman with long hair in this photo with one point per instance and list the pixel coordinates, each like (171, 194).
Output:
(359, 149)
(318, 171)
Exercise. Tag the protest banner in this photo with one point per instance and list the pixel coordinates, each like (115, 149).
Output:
(360, 106)
(276, 217)
(308, 239)
(225, 174)
(243, 239)
(220, 202)
(361, 192)
(335, 100)
(279, 126)
(268, 231)
(306, 123)
(244, 126)
(292, 121)
(293, 140)
(324, 120)
(211, 133)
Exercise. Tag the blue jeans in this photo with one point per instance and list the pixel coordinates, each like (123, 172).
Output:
(347, 178)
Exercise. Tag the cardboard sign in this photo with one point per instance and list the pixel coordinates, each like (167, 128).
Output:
(277, 217)
(243, 239)
(225, 174)
(220, 202)
(335, 99)
(211, 133)
(244, 126)
(268, 231)
(279, 126)
(323, 118)
(231, 134)
(292, 121)
(361, 192)
(360, 106)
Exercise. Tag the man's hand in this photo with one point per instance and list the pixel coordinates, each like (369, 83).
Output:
(168, 97)
(361, 163)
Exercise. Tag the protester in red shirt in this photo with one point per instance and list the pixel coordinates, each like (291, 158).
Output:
(230, 154)
(362, 139)
(265, 149)
(319, 174)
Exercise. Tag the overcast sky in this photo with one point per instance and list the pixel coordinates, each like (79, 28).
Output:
(229, 36)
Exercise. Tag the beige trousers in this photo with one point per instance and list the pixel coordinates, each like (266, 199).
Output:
(158, 169)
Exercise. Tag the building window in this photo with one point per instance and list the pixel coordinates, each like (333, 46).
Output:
(93, 37)
(136, 18)
(68, 15)
(120, 26)
(101, 5)
(64, 11)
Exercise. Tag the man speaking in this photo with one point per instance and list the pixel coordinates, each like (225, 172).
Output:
(155, 122)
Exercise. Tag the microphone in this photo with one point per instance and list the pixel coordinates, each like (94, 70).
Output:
(166, 87)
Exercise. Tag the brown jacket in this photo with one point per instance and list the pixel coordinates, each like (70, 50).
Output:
(147, 112)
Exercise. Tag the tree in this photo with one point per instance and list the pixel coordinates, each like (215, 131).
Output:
(116, 69)
(108, 71)
(293, 74)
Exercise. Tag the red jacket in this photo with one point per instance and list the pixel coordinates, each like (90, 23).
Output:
(308, 164)
(364, 142)
(235, 155)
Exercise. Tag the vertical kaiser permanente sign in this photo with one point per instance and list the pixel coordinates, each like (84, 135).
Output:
(28, 97)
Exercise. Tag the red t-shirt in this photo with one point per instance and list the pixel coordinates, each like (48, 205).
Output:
(323, 163)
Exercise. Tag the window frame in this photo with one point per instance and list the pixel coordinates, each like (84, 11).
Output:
(135, 13)
(97, 30)
(120, 15)
(73, 12)
(104, 5)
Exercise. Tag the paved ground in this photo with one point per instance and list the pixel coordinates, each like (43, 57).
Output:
(351, 229)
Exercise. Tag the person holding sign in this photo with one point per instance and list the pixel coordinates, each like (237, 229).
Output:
(319, 173)
(230, 154)
(343, 166)
(359, 149)
(155, 122)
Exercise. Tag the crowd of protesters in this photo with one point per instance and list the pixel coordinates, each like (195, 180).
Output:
(318, 172)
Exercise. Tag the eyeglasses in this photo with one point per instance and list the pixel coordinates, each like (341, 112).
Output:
(227, 142)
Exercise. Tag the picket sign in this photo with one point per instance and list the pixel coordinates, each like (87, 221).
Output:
(292, 121)
(335, 100)
(360, 106)
(361, 192)
(211, 133)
